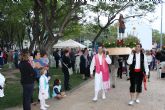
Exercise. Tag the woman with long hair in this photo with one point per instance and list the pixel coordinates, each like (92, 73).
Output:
(27, 79)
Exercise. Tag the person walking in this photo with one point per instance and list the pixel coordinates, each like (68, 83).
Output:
(16, 58)
(138, 70)
(149, 60)
(100, 63)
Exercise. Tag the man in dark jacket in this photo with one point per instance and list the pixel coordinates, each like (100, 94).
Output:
(56, 57)
(66, 64)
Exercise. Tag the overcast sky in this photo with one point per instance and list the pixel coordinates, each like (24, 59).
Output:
(157, 22)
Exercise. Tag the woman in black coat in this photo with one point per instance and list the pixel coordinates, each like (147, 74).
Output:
(27, 79)
(84, 64)
(66, 63)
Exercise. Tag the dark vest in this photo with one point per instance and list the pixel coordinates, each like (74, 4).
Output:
(132, 66)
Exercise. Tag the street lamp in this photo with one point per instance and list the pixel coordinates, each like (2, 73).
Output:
(161, 24)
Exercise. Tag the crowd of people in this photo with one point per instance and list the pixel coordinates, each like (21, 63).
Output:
(9, 56)
(80, 60)
(34, 67)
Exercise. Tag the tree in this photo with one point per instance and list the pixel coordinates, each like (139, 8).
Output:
(12, 32)
(156, 36)
(51, 18)
(12, 21)
(111, 9)
(46, 21)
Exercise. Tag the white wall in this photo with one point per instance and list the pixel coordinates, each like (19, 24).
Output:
(142, 30)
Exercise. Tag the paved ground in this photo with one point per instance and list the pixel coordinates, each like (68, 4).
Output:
(117, 99)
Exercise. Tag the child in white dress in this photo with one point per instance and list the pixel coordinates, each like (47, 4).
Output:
(2, 83)
(43, 89)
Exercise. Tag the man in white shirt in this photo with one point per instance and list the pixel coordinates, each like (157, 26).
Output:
(138, 69)
(100, 63)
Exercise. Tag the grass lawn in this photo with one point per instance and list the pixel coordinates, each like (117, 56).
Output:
(5, 67)
(13, 88)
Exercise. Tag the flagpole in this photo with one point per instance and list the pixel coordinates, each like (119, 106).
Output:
(161, 43)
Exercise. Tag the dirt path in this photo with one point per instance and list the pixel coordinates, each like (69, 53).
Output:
(117, 99)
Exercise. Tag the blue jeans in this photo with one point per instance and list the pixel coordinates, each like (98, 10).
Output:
(27, 94)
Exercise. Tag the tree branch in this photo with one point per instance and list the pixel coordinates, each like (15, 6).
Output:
(66, 18)
(110, 20)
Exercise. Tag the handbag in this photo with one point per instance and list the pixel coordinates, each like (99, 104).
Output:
(69, 69)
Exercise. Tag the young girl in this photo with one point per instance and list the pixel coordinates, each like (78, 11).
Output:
(57, 90)
(2, 83)
(43, 89)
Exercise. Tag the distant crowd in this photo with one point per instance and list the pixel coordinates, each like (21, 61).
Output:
(34, 67)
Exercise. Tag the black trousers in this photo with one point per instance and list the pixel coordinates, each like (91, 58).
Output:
(149, 66)
(119, 72)
(16, 63)
(57, 63)
(136, 79)
(66, 80)
(87, 71)
(27, 94)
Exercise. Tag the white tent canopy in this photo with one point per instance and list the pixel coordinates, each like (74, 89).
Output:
(69, 43)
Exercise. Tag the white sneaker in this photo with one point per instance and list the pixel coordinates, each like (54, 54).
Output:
(94, 99)
(47, 105)
(43, 108)
(137, 101)
(131, 102)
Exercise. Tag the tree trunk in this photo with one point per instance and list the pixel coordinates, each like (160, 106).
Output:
(35, 26)
(98, 35)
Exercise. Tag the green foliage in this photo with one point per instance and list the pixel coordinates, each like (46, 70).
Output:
(50, 16)
(73, 31)
(11, 32)
(113, 31)
(156, 36)
(149, 6)
(130, 41)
